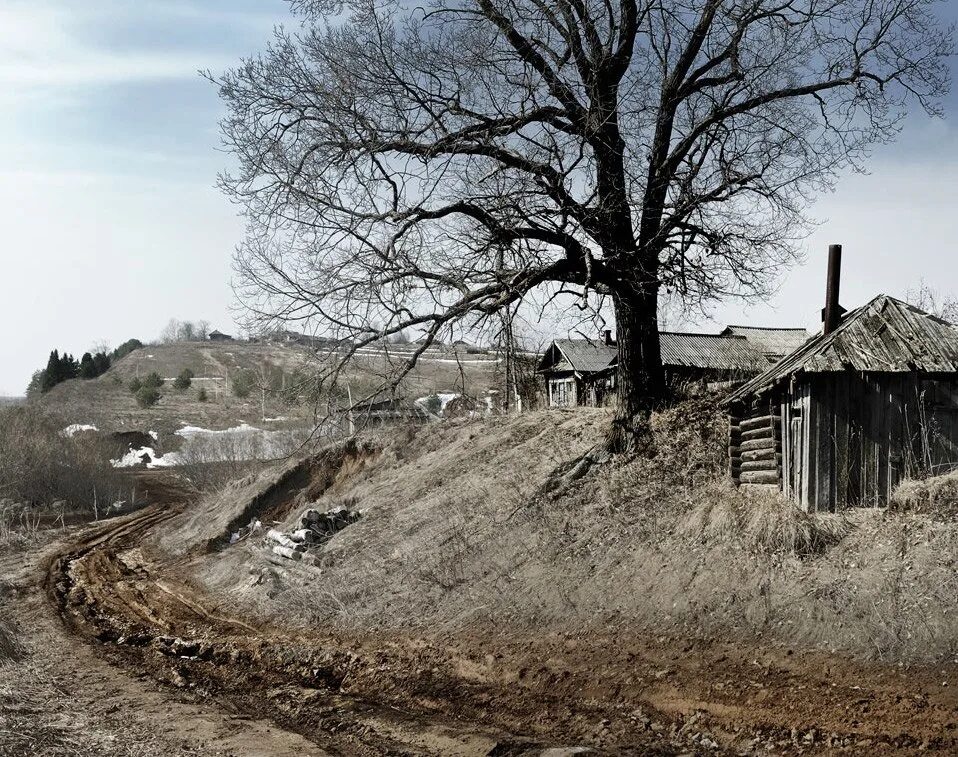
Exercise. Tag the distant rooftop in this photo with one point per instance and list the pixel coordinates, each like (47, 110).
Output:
(736, 348)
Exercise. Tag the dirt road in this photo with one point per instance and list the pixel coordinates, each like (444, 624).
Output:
(486, 693)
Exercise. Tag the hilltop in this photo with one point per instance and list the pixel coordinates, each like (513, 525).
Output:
(219, 367)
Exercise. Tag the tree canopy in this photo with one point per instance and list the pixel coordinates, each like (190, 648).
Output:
(419, 167)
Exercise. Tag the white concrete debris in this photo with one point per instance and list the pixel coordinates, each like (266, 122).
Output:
(289, 554)
(317, 529)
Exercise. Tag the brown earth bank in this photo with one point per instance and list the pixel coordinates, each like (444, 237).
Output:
(487, 690)
(643, 609)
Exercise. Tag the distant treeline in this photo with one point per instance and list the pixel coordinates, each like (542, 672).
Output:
(64, 367)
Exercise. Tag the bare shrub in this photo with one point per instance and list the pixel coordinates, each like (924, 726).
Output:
(40, 464)
(19, 525)
(936, 496)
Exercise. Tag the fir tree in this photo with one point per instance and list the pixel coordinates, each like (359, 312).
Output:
(87, 366)
(101, 363)
(51, 375)
(69, 367)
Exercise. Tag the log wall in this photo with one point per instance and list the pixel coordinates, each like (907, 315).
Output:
(755, 447)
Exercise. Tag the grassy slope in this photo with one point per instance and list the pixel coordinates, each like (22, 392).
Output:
(453, 537)
(107, 402)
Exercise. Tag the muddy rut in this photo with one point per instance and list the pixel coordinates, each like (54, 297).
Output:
(485, 693)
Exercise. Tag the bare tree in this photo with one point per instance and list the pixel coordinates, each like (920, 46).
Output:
(929, 299)
(413, 167)
(185, 331)
(170, 332)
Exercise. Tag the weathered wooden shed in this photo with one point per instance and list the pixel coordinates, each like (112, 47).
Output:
(843, 419)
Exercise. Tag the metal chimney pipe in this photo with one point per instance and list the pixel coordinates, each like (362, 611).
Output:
(833, 311)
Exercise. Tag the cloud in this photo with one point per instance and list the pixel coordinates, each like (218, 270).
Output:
(43, 46)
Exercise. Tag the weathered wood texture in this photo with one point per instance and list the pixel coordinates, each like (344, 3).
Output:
(755, 452)
(850, 439)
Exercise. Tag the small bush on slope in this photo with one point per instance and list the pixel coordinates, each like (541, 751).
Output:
(147, 396)
(183, 380)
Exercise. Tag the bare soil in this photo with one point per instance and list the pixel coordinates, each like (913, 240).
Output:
(169, 669)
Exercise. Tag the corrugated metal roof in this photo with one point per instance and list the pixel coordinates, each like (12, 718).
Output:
(772, 341)
(704, 351)
(886, 335)
(711, 351)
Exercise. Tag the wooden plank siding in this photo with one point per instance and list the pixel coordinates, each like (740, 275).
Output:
(848, 439)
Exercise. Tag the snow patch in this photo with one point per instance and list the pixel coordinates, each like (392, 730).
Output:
(188, 432)
(444, 398)
(76, 428)
(134, 459)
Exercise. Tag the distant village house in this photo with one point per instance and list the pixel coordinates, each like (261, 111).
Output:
(583, 371)
(219, 336)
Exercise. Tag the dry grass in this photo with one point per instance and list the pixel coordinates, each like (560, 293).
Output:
(763, 523)
(10, 649)
(451, 536)
(936, 496)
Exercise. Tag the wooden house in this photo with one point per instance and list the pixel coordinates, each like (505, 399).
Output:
(839, 422)
(219, 336)
(583, 371)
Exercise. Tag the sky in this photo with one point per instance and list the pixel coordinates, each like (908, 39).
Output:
(111, 223)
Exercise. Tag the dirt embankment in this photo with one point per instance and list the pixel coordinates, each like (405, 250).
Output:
(647, 610)
(452, 536)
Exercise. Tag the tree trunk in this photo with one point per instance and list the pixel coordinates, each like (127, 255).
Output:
(641, 379)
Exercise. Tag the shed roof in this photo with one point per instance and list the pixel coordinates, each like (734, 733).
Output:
(772, 341)
(586, 355)
(886, 335)
(711, 351)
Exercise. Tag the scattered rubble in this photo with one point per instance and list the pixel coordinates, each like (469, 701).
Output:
(244, 533)
(317, 529)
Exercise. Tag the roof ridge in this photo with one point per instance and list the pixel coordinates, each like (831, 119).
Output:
(767, 328)
(700, 333)
(820, 343)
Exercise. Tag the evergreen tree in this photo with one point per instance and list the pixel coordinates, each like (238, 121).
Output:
(69, 367)
(154, 380)
(87, 366)
(125, 349)
(51, 375)
(101, 363)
